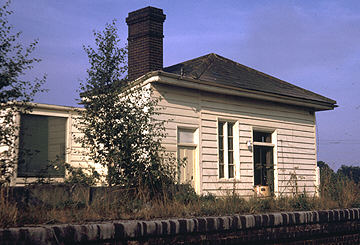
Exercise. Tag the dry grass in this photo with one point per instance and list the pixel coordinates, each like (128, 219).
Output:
(179, 202)
(8, 210)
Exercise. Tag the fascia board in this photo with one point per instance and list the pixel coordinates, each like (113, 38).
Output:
(47, 106)
(57, 107)
(176, 80)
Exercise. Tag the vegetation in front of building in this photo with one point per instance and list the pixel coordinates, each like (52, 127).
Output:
(339, 189)
(119, 120)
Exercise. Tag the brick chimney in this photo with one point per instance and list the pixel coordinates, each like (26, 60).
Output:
(145, 41)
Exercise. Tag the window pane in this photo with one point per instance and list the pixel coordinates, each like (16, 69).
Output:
(230, 129)
(221, 148)
(221, 171)
(42, 146)
(186, 136)
(231, 171)
(221, 142)
(220, 128)
(262, 137)
(221, 156)
(231, 157)
(230, 143)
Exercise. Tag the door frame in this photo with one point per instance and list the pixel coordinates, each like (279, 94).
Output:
(274, 145)
(195, 144)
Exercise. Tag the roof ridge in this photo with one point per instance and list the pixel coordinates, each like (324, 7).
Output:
(209, 56)
(197, 58)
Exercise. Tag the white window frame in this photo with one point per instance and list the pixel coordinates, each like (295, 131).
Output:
(236, 149)
(17, 180)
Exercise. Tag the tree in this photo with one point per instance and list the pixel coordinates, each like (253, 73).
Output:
(351, 172)
(327, 179)
(118, 120)
(15, 91)
(339, 187)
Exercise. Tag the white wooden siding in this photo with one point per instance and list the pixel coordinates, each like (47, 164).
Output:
(79, 156)
(295, 137)
(295, 129)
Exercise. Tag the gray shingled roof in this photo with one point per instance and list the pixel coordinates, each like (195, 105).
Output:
(220, 70)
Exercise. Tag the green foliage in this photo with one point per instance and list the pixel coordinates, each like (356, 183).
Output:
(301, 202)
(80, 176)
(341, 187)
(118, 120)
(15, 60)
(351, 172)
(327, 179)
(183, 193)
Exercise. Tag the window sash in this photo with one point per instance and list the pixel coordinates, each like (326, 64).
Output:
(186, 136)
(226, 155)
(42, 144)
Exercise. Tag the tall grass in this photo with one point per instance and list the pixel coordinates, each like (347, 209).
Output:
(176, 201)
(8, 209)
(337, 190)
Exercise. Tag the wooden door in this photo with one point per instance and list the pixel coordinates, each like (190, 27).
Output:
(263, 166)
(187, 172)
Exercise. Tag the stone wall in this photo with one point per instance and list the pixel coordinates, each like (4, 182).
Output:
(58, 194)
(311, 227)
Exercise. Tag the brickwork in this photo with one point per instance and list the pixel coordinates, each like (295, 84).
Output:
(145, 41)
(312, 227)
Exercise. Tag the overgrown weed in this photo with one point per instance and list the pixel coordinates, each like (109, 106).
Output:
(8, 209)
(175, 201)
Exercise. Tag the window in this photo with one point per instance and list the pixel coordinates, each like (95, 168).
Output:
(262, 137)
(186, 135)
(263, 159)
(226, 149)
(42, 146)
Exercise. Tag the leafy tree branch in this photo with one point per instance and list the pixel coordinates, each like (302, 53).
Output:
(15, 91)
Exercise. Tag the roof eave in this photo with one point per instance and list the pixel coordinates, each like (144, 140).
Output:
(174, 79)
(43, 106)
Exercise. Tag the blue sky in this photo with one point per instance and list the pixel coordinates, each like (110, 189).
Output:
(312, 44)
